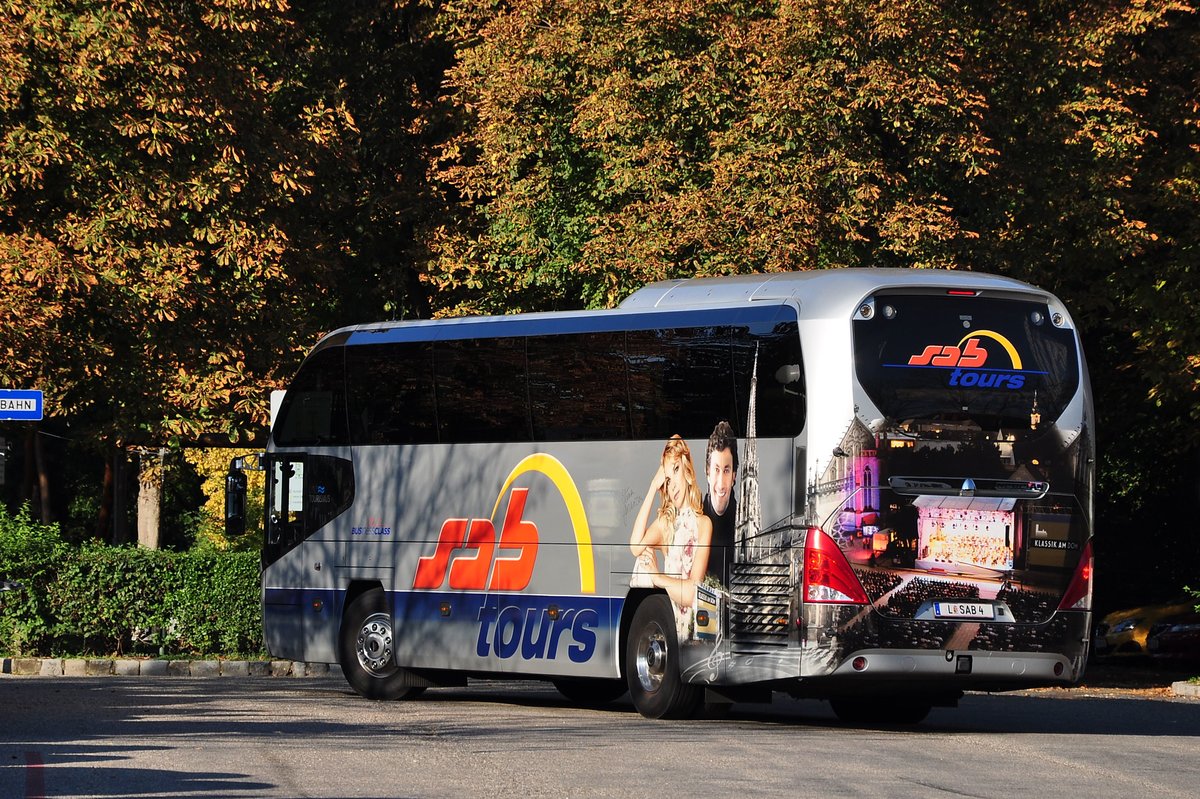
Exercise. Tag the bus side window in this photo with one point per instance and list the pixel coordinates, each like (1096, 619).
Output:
(392, 398)
(780, 403)
(314, 410)
(304, 493)
(680, 381)
(577, 387)
(481, 392)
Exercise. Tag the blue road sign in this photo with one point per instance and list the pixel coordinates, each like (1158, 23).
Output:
(19, 405)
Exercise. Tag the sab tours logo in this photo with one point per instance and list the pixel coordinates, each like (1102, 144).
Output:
(469, 557)
(466, 548)
(966, 360)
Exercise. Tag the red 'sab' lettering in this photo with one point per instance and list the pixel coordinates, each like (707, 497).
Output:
(431, 571)
(972, 356)
(926, 357)
(512, 574)
(469, 570)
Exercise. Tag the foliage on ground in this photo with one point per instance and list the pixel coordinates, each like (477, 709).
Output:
(104, 600)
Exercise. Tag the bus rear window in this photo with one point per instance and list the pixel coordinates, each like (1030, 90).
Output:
(995, 361)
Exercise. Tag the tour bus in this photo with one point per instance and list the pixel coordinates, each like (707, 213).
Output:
(869, 486)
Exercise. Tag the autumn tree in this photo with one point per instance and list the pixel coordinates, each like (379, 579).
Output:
(383, 63)
(1098, 144)
(150, 157)
(605, 143)
(613, 143)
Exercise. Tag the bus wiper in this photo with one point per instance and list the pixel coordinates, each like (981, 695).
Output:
(968, 487)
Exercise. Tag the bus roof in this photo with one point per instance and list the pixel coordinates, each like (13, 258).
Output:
(821, 293)
(834, 290)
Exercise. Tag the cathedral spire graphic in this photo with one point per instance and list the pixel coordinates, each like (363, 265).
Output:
(749, 515)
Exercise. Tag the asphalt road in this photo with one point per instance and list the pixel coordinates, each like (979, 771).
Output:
(167, 737)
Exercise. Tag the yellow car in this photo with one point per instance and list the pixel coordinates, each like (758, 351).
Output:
(1123, 633)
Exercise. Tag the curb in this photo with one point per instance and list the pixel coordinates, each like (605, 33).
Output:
(132, 667)
(1186, 689)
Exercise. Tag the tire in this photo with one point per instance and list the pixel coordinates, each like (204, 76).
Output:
(591, 693)
(881, 710)
(652, 663)
(367, 653)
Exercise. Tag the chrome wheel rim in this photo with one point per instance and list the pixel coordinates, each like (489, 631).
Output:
(374, 644)
(652, 654)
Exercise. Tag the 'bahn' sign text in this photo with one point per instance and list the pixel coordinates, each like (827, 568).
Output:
(19, 405)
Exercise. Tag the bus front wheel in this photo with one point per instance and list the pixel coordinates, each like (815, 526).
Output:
(652, 663)
(366, 650)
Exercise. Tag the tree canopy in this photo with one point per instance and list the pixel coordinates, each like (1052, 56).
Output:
(146, 176)
(191, 194)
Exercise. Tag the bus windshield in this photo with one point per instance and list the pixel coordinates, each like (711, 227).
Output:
(982, 362)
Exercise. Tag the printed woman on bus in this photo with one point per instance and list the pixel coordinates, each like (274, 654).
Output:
(680, 531)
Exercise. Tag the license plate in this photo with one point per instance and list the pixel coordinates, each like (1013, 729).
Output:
(963, 610)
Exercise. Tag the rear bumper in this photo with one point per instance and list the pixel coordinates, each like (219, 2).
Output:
(889, 672)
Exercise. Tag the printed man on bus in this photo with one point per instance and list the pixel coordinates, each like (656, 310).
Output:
(720, 505)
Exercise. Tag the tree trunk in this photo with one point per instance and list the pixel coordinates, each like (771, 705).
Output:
(43, 477)
(149, 495)
(120, 498)
(104, 517)
(29, 472)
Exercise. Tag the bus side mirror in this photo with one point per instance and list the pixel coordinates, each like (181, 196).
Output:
(788, 373)
(235, 504)
(247, 463)
(787, 376)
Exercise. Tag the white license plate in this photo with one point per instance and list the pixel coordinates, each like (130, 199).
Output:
(963, 610)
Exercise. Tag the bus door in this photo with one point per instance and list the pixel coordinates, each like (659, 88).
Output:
(302, 608)
(283, 595)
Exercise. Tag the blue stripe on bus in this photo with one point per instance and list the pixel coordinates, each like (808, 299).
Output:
(425, 605)
(290, 596)
(559, 324)
(431, 604)
(966, 369)
(498, 627)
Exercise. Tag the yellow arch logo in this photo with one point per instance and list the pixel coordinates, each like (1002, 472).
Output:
(1001, 340)
(553, 468)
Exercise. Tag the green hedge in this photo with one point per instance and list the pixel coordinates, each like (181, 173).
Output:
(103, 600)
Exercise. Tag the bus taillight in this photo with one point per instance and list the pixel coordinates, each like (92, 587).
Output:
(1079, 592)
(828, 577)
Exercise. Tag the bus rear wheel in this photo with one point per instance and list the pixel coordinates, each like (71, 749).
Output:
(367, 652)
(652, 663)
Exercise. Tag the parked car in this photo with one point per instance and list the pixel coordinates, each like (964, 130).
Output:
(1176, 639)
(1123, 633)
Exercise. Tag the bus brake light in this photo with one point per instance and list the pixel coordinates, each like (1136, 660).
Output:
(1079, 593)
(828, 577)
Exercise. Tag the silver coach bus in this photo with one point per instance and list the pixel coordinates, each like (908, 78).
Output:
(867, 486)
